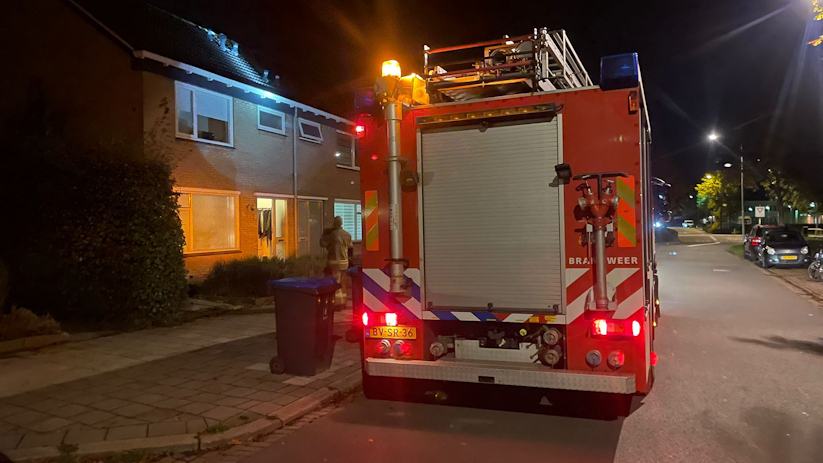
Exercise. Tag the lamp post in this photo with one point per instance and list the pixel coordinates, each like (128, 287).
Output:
(713, 137)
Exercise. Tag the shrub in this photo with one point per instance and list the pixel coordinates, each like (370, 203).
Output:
(21, 323)
(91, 235)
(248, 277)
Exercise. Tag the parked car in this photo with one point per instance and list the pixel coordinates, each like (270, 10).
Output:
(784, 248)
(753, 241)
(688, 224)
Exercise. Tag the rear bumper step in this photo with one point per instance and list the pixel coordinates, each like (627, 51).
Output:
(483, 372)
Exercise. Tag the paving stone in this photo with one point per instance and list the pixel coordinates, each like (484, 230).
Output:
(110, 404)
(247, 382)
(167, 428)
(10, 441)
(86, 399)
(206, 397)
(84, 436)
(302, 392)
(160, 389)
(171, 403)
(24, 400)
(264, 396)
(118, 421)
(249, 404)
(103, 389)
(284, 399)
(299, 381)
(69, 410)
(50, 424)
(125, 394)
(158, 414)
(264, 408)
(193, 384)
(117, 381)
(127, 432)
(203, 376)
(259, 367)
(288, 389)
(148, 399)
(222, 412)
(182, 393)
(227, 379)
(239, 392)
(241, 419)
(92, 417)
(47, 405)
(36, 439)
(215, 387)
(132, 410)
(196, 408)
(25, 417)
(317, 384)
(270, 386)
(8, 409)
(195, 426)
(63, 393)
(172, 381)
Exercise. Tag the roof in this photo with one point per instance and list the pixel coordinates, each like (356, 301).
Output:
(142, 26)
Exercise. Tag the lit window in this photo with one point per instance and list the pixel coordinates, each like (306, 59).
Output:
(350, 212)
(310, 131)
(271, 120)
(203, 115)
(210, 221)
(346, 153)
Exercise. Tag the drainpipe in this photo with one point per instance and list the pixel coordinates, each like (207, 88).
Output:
(294, 170)
(394, 113)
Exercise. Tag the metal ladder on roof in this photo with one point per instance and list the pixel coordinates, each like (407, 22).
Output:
(558, 65)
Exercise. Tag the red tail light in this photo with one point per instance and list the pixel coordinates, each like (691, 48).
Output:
(391, 319)
(603, 327)
(756, 241)
(365, 319)
(360, 130)
(653, 358)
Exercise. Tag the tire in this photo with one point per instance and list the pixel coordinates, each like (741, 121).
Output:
(277, 366)
(762, 262)
(815, 271)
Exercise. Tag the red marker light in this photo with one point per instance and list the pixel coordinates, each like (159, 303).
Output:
(635, 328)
(601, 328)
(391, 319)
(653, 358)
(365, 319)
(373, 157)
(360, 130)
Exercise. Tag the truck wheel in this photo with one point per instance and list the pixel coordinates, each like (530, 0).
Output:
(277, 366)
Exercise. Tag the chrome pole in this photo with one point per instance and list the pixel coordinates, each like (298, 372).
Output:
(394, 113)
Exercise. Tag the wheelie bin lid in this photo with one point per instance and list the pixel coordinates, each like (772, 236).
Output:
(305, 285)
(353, 271)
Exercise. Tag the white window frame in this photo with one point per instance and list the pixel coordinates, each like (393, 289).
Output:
(353, 165)
(188, 247)
(263, 109)
(310, 138)
(358, 221)
(194, 89)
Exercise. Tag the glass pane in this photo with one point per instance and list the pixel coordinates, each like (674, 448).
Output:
(356, 157)
(347, 212)
(275, 121)
(280, 218)
(344, 152)
(309, 130)
(315, 226)
(214, 222)
(358, 223)
(212, 129)
(184, 200)
(213, 106)
(184, 219)
(302, 227)
(185, 117)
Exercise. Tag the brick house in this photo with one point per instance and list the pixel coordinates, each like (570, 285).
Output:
(257, 173)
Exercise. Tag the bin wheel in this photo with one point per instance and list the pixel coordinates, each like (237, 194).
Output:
(352, 336)
(277, 366)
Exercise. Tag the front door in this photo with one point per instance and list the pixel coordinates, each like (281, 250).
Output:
(272, 227)
(309, 226)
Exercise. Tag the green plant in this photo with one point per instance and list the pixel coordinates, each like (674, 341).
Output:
(21, 323)
(68, 453)
(216, 428)
(736, 249)
(248, 277)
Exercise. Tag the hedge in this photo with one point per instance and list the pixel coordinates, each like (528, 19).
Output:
(248, 277)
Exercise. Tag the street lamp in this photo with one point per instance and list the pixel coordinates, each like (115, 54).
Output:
(713, 137)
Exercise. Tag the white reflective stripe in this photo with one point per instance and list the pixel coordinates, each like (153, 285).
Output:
(576, 307)
(414, 307)
(378, 277)
(373, 303)
(465, 316)
(518, 318)
(414, 274)
(617, 276)
(631, 305)
(429, 316)
(573, 274)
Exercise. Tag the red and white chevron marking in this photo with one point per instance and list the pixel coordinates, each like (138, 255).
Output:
(625, 283)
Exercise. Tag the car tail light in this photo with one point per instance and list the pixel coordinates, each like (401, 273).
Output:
(603, 327)
(756, 240)
(391, 319)
(365, 319)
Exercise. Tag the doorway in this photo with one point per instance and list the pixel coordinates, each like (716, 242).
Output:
(309, 226)
(272, 228)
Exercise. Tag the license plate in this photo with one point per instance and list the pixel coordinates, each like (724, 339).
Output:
(392, 332)
(788, 257)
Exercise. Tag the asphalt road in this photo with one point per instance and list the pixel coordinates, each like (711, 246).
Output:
(739, 380)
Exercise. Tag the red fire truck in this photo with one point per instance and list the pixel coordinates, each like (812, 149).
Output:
(508, 223)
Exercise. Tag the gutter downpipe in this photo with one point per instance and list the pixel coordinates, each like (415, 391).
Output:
(294, 170)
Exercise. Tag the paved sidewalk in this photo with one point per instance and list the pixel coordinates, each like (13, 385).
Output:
(799, 279)
(152, 383)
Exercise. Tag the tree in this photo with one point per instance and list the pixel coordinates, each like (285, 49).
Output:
(719, 194)
(817, 12)
(785, 191)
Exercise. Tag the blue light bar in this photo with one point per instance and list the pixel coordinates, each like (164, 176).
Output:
(619, 71)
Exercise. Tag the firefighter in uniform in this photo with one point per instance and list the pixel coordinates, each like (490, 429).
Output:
(338, 245)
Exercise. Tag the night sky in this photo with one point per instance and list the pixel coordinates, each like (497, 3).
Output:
(741, 68)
